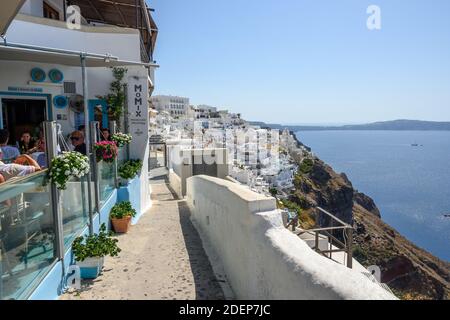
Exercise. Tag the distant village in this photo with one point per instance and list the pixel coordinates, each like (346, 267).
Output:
(257, 157)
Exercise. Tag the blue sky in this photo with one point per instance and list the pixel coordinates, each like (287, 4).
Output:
(307, 61)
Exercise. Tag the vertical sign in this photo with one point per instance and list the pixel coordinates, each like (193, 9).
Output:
(138, 114)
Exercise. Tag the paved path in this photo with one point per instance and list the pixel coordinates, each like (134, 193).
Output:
(162, 258)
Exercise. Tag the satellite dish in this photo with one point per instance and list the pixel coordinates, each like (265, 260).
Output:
(76, 103)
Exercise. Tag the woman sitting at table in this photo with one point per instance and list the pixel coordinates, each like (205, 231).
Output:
(26, 143)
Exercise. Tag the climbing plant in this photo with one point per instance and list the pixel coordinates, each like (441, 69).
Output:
(116, 98)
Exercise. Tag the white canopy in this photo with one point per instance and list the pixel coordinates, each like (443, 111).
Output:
(9, 10)
(67, 58)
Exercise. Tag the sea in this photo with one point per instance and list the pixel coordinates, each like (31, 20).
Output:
(407, 173)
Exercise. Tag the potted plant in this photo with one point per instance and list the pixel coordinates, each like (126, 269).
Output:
(129, 170)
(121, 215)
(106, 151)
(66, 166)
(121, 139)
(90, 250)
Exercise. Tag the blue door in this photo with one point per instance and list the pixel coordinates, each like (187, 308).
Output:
(97, 103)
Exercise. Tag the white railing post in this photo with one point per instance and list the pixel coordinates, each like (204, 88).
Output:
(51, 152)
(93, 140)
(113, 129)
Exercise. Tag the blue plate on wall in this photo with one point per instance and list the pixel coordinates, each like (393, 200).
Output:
(55, 76)
(60, 102)
(38, 75)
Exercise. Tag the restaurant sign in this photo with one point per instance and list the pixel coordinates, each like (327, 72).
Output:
(24, 89)
(138, 112)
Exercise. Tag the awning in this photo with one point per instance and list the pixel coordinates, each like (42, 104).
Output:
(8, 11)
(123, 13)
(67, 58)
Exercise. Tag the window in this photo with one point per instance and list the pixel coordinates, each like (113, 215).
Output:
(50, 12)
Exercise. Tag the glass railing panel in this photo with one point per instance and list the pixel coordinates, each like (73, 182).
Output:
(27, 234)
(106, 181)
(122, 157)
(74, 206)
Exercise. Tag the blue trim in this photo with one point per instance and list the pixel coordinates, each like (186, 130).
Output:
(25, 94)
(106, 209)
(95, 102)
(52, 286)
(132, 193)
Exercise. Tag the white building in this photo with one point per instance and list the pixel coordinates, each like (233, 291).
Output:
(204, 111)
(177, 106)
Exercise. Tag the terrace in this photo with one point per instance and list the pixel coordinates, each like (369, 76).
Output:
(40, 222)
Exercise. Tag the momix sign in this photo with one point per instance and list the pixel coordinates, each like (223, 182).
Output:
(138, 114)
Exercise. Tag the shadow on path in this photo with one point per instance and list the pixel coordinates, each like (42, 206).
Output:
(207, 286)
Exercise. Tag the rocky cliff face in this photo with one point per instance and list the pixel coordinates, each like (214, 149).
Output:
(410, 271)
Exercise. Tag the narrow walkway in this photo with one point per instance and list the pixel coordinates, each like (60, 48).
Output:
(162, 258)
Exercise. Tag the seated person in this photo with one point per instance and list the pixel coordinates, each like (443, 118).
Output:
(9, 153)
(40, 155)
(77, 139)
(26, 143)
(105, 134)
(22, 166)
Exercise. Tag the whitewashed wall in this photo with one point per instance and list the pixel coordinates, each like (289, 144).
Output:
(121, 42)
(261, 258)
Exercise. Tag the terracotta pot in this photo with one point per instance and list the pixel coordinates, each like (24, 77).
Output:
(121, 225)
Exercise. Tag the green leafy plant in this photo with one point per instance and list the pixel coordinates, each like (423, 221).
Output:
(66, 166)
(306, 166)
(122, 210)
(273, 191)
(130, 169)
(121, 139)
(305, 217)
(116, 98)
(359, 254)
(95, 246)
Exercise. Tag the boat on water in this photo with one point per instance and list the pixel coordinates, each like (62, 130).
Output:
(416, 145)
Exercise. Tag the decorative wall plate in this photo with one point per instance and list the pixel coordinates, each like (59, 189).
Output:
(38, 75)
(56, 76)
(60, 102)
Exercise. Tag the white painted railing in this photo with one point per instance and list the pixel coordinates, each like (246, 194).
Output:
(261, 258)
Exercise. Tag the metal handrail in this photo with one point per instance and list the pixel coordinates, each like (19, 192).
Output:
(345, 227)
(333, 217)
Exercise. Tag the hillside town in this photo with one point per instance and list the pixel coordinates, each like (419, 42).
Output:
(109, 191)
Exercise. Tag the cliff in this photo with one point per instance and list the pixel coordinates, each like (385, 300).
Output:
(411, 272)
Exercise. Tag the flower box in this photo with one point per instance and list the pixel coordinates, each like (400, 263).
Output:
(121, 139)
(91, 268)
(106, 151)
